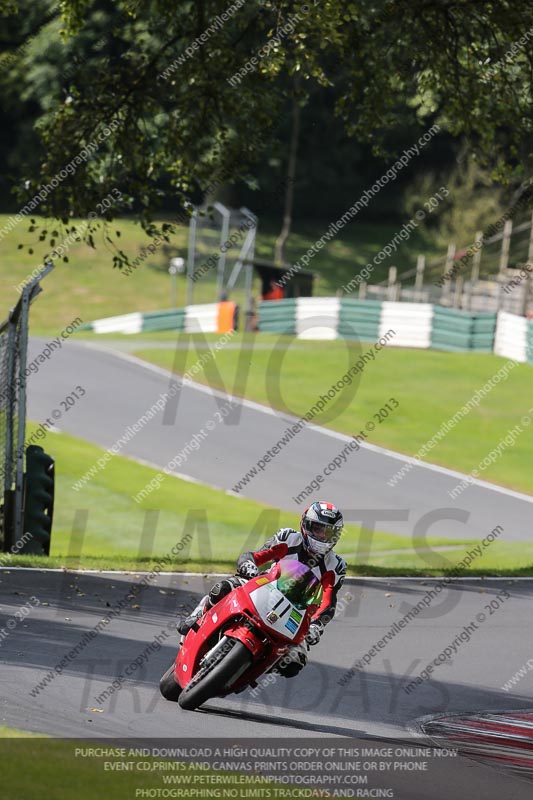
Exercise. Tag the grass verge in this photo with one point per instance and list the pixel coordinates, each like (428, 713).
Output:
(101, 527)
(88, 286)
(429, 386)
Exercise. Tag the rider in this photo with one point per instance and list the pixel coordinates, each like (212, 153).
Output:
(321, 525)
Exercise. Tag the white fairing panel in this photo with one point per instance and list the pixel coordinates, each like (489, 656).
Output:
(276, 611)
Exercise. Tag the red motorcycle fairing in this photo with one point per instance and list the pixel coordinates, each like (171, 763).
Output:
(226, 619)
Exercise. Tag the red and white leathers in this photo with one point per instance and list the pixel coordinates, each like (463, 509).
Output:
(329, 568)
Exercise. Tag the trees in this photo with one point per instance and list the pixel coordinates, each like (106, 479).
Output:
(196, 91)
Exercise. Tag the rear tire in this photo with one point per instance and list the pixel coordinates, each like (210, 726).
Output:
(168, 686)
(209, 681)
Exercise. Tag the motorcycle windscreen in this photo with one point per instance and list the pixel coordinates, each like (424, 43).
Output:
(276, 611)
(299, 584)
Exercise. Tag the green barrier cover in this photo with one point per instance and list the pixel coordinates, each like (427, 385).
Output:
(164, 324)
(283, 313)
(359, 319)
(460, 330)
(277, 316)
(167, 312)
(278, 327)
(289, 302)
(350, 302)
(367, 333)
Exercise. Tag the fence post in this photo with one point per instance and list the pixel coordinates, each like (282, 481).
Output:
(191, 259)
(476, 261)
(459, 284)
(419, 279)
(224, 235)
(530, 249)
(393, 271)
(362, 290)
(506, 244)
(450, 256)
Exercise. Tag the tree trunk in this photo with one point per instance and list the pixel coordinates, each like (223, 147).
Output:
(281, 241)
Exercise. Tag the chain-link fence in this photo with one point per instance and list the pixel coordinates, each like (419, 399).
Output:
(13, 351)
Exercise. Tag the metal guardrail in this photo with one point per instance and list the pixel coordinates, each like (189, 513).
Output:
(13, 358)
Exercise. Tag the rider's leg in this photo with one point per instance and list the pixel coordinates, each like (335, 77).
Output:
(185, 626)
(292, 662)
(219, 590)
(222, 588)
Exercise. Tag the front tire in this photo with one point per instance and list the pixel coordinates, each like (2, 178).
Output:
(168, 686)
(211, 679)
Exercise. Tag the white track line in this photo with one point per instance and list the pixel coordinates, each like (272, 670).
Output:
(493, 487)
(348, 579)
(184, 477)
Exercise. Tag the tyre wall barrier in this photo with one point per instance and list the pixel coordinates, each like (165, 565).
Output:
(511, 340)
(206, 318)
(460, 331)
(326, 318)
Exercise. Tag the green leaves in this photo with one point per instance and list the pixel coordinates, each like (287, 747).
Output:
(163, 71)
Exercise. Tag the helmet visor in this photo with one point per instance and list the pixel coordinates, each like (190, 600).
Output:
(323, 532)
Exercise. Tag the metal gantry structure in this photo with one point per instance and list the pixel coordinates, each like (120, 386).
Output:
(221, 248)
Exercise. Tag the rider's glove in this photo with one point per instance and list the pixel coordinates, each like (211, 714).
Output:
(316, 629)
(248, 570)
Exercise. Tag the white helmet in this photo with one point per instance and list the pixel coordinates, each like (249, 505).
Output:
(321, 525)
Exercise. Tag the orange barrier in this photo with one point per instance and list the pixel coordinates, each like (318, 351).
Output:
(226, 316)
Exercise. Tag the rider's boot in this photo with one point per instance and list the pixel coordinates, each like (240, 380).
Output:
(292, 662)
(218, 591)
(185, 626)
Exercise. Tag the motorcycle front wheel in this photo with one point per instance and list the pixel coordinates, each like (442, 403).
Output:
(223, 669)
(168, 686)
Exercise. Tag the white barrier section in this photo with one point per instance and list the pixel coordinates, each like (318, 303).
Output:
(412, 323)
(317, 317)
(125, 323)
(511, 336)
(202, 318)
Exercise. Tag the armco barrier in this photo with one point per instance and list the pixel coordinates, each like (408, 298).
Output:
(277, 316)
(459, 331)
(138, 322)
(414, 324)
(125, 323)
(164, 320)
(201, 318)
(511, 340)
(359, 319)
(411, 323)
(317, 317)
(208, 318)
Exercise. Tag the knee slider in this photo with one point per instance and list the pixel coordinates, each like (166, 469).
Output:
(291, 670)
(220, 590)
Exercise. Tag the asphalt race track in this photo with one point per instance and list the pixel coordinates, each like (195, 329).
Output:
(120, 389)
(327, 700)
(372, 704)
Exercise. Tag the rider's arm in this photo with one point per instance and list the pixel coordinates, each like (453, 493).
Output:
(331, 583)
(274, 549)
(267, 553)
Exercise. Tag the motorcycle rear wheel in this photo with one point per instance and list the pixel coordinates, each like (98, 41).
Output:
(211, 679)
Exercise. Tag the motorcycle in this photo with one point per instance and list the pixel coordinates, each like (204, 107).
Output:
(244, 635)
